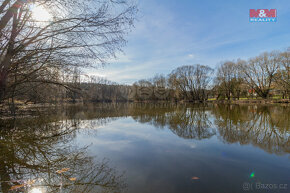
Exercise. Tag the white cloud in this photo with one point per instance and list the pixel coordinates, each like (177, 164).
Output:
(191, 55)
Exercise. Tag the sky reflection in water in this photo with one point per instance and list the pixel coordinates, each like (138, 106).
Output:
(152, 148)
(162, 150)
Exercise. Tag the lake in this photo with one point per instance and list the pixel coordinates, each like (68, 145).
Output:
(147, 148)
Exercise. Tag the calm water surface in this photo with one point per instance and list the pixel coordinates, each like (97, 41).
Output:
(146, 148)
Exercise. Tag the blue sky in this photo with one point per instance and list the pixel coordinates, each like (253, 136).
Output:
(172, 33)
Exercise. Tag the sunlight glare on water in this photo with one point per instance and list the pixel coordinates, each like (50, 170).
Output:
(36, 190)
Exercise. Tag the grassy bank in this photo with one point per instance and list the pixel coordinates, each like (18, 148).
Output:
(251, 101)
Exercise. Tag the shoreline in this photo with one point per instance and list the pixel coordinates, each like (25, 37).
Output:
(241, 101)
(252, 101)
(22, 106)
(27, 110)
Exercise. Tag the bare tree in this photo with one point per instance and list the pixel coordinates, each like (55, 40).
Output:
(228, 80)
(283, 74)
(259, 72)
(144, 83)
(159, 80)
(192, 81)
(79, 34)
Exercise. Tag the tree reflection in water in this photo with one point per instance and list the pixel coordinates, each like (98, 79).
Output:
(33, 150)
(264, 126)
(189, 122)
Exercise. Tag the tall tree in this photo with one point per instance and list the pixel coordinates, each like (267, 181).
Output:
(228, 79)
(74, 34)
(192, 81)
(283, 74)
(259, 72)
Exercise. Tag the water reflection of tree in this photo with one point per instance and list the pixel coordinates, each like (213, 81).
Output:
(189, 122)
(34, 149)
(155, 114)
(264, 126)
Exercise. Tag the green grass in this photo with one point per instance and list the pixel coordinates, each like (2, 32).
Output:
(245, 98)
(276, 97)
(248, 98)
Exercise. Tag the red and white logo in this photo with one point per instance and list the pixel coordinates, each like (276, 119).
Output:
(263, 15)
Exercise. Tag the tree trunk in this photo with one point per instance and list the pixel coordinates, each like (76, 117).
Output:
(3, 80)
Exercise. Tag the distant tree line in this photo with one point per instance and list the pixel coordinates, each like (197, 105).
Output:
(190, 82)
(263, 76)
